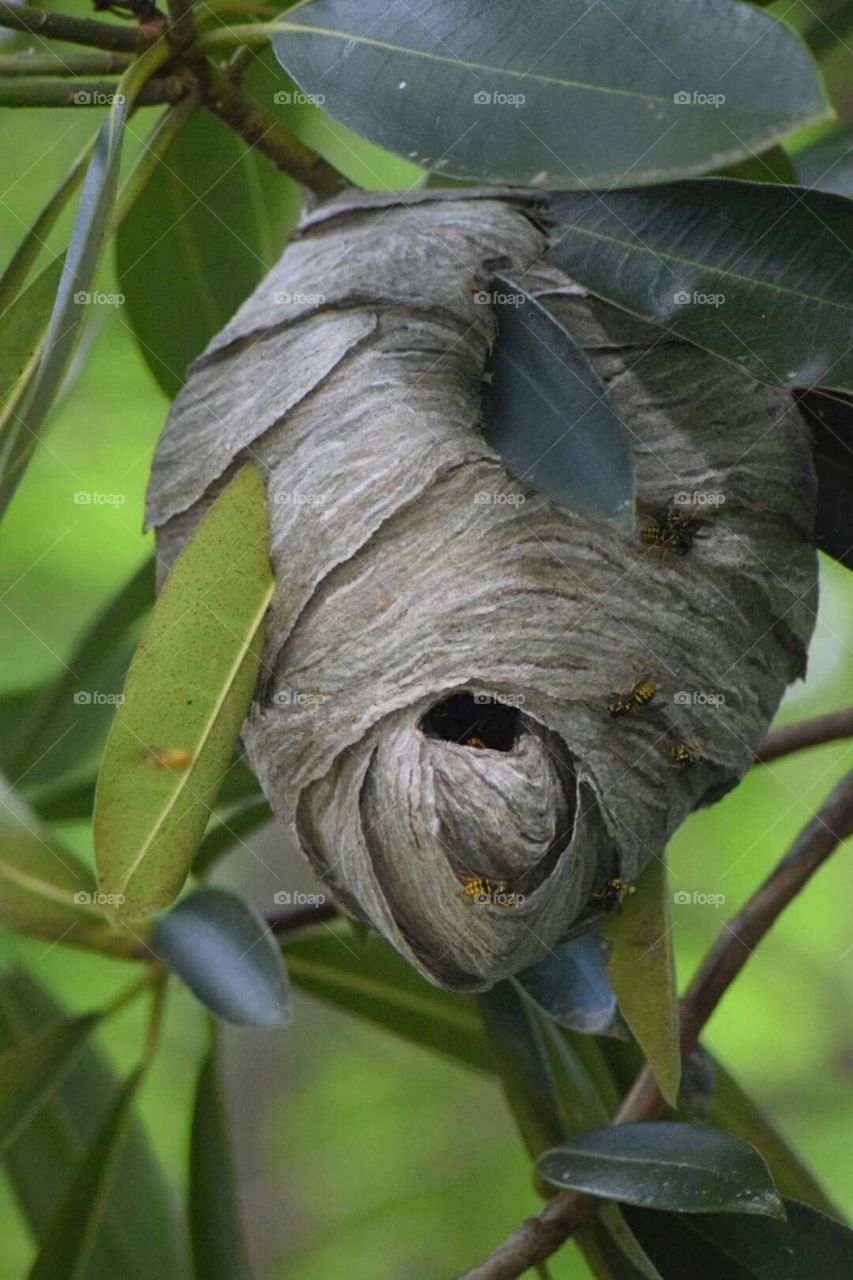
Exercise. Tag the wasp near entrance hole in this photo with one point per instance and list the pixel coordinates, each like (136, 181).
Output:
(488, 892)
(614, 893)
(674, 531)
(685, 754)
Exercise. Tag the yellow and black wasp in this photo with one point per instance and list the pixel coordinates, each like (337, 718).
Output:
(488, 892)
(673, 531)
(685, 754)
(476, 742)
(638, 696)
(614, 893)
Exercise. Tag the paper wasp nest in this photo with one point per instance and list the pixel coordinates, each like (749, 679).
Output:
(445, 643)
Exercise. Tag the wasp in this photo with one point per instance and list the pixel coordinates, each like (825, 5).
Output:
(489, 892)
(475, 742)
(674, 531)
(638, 696)
(614, 893)
(174, 758)
(685, 754)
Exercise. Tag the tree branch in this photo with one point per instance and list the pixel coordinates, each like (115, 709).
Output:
(284, 922)
(540, 1236)
(93, 62)
(26, 91)
(808, 733)
(225, 98)
(61, 26)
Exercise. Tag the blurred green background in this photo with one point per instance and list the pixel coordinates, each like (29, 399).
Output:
(359, 1155)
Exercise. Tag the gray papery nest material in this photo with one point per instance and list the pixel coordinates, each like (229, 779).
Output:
(443, 640)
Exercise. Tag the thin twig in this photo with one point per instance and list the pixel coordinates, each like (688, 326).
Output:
(807, 733)
(89, 62)
(300, 917)
(26, 91)
(61, 26)
(540, 1236)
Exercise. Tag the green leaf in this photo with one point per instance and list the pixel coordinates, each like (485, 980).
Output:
(30, 1071)
(828, 164)
(67, 722)
(211, 220)
(139, 1236)
(70, 1239)
(685, 1168)
(44, 889)
(219, 1245)
(78, 271)
(375, 983)
(224, 952)
(726, 1247)
(185, 699)
(231, 830)
(572, 986)
(23, 324)
(564, 95)
(548, 415)
(642, 971)
(710, 260)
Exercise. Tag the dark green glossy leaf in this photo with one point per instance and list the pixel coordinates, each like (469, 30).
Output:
(67, 724)
(23, 325)
(642, 971)
(828, 164)
(710, 260)
(219, 1245)
(808, 1246)
(772, 166)
(572, 986)
(69, 1240)
(666, 1165)
(375, 983)
(211, 220)
(223, 951)
(830, 417)
(565, 95)
(31, 1070)
(139, 1236)
(548, 415)
(185, 699)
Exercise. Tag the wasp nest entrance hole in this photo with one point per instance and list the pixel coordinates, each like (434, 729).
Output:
(473, 720)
